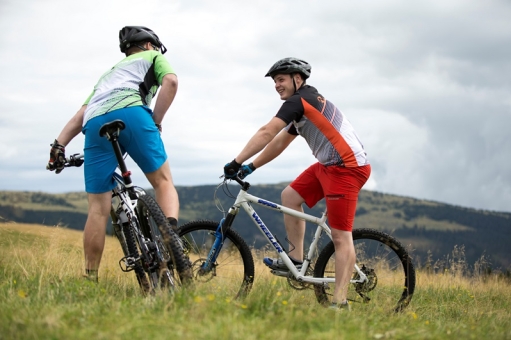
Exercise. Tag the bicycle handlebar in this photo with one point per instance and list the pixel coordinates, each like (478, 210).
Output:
(74, 160)
(245, 185)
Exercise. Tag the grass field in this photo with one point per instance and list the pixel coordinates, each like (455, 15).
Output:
(43, 296)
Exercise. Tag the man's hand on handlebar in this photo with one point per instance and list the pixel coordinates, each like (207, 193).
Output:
(231, 169)
(246, 170)
(57, 157)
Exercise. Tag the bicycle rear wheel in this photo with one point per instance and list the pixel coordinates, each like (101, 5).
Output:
(233, 270)
(132, 258)
(172, 267)
(383, 260)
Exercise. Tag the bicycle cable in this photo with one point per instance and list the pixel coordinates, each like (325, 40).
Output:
(216, 199)
(227, 192)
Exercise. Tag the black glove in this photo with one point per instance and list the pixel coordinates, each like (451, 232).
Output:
(246, 170)
(57, 157)
(231, 169)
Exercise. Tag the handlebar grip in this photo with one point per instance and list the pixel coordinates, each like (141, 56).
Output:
(245, 185)
(74, 160)
(241, 182)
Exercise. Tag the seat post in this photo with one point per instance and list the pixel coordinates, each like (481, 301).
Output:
(111, 131)
(125, 173)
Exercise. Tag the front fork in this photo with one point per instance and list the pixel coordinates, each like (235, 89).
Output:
(223, 226)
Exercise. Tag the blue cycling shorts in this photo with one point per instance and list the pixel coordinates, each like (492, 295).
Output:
(140, 139)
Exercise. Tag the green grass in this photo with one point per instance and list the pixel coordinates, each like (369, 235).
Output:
(43, 296)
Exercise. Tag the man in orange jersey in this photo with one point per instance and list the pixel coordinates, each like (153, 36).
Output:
(338, 176)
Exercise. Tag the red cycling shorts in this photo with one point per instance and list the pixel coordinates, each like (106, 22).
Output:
(338, 185)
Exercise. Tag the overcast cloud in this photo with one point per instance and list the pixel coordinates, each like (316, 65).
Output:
(427, 86)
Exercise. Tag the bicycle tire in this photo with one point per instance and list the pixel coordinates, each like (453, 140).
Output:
(167, 247)
(386, 263)
(233, 270)
(133, 259)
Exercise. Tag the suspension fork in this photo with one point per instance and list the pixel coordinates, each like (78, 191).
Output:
(223, 226)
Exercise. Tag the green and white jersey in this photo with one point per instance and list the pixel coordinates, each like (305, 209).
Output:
(132, 82)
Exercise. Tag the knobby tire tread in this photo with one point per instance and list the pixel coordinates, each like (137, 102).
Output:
(133, 252)
(170, 238)
(237, 240)
(371, 234)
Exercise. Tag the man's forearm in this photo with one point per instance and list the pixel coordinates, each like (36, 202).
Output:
(274, 149)
(72, 128)
(262, 137)
(165, 97)
(255, 145)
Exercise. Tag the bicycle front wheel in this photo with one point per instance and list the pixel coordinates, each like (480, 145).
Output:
(172, 267)
(233, 270)
(385, 262)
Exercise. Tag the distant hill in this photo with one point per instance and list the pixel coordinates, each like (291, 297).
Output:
(430, 230)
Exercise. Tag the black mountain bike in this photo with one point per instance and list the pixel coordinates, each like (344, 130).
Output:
(151, 248)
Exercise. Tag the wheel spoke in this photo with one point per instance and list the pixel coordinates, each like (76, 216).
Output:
(383, 260)
(233, 270)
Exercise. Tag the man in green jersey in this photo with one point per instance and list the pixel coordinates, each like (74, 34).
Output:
(123, 92)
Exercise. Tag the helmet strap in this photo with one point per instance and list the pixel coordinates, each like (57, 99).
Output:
(293, 78)
(141, 47)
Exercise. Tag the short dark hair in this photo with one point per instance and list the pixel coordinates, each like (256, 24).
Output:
(135, 46)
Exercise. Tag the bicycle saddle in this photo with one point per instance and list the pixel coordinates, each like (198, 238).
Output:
(111, 127)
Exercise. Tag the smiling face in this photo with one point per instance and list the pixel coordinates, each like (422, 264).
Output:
(284, 84)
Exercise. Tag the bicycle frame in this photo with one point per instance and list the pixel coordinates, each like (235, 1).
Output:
(126, 208)
(243, 200)
(123, 214)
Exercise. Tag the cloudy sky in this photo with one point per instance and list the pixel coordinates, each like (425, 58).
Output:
(427, 86)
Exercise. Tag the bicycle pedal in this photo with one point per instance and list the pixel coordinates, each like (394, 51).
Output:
(284, 273)
(129, 264)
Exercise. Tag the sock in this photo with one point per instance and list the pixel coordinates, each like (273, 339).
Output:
(92, 274)
(173, 223)
(295, 261)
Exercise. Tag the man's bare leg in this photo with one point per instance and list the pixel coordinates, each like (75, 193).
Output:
(165, 192)
(95, 230)
(295, 227)
(344, 263)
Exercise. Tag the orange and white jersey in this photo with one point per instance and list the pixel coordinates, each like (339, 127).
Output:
(326, 129)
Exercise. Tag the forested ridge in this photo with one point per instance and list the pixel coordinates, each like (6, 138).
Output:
(430, 230)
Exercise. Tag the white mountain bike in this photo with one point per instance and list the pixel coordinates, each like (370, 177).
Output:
(383, 275)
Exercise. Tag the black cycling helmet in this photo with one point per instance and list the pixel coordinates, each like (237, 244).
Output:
(290, 65)
(130, 35)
